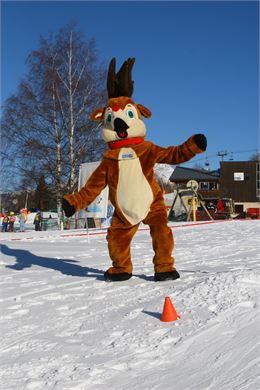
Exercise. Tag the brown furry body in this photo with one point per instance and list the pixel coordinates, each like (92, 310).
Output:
(138, 162)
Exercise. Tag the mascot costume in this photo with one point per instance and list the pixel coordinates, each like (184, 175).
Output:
(127, 169)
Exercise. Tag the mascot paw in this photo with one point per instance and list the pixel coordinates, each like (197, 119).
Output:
(201, 141)
(117, 277)
(163, 276)
(68, 209)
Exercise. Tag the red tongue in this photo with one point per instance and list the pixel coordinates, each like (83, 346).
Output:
(122, 134)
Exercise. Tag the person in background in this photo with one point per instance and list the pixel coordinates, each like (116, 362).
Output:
(23, 219)
(12, 220)
(37, 221)
(5, 223)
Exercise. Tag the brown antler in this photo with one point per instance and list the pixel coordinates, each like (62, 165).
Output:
(120, 83)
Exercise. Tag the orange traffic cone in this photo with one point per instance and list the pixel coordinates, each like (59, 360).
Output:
(169, 313)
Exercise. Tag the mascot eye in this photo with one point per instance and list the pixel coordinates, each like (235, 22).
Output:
(130, 114)
(108, 119)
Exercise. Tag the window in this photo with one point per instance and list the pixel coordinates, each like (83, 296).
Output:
(204, 186)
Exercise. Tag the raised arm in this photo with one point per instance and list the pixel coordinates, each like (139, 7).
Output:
(178, 154)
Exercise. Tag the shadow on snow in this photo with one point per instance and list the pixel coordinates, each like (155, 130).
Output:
(153, 314)
(25, 259)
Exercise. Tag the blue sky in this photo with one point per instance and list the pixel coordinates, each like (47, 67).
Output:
(197, 63)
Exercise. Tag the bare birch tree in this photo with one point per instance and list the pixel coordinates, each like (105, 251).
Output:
(46, 125)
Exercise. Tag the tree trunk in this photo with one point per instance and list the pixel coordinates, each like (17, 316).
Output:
(58, 158)
(72, 124)
(58, 185)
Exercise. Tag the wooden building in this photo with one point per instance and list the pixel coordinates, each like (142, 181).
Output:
(240, 180)
(236, 180)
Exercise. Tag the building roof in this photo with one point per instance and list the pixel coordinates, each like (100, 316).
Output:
(185, 174)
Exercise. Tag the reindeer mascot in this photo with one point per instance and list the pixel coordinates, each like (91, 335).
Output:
(127, 169)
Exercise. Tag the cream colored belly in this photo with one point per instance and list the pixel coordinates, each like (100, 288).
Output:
(134, 194)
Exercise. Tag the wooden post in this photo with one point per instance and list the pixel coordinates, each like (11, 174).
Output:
(194, 207)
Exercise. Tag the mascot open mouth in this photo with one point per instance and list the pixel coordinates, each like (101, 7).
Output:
(120, 128)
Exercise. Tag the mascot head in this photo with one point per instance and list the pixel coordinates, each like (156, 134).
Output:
(122, 118)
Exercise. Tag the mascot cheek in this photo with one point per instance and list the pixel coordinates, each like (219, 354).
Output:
(137, 129)
(108, 135)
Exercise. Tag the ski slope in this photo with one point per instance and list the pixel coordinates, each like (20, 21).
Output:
(64, 328)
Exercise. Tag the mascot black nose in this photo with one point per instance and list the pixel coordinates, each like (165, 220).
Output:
(120, 125)
(120, 128)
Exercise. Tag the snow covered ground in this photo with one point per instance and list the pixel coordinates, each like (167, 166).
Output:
(63, 327)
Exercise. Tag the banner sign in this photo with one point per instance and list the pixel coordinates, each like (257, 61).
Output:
(98, 208)
(163, 172)
(239, 176)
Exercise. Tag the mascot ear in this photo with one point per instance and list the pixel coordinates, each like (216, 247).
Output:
(144, 111)
(97, 115)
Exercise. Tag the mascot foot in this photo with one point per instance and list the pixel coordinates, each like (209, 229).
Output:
(162, 276)
(117, 277)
